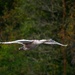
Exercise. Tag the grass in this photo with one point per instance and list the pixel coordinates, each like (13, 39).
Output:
(40, 61)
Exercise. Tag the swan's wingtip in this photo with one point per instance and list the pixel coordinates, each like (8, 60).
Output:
(66, 45)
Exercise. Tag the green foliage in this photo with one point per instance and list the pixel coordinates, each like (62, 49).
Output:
(37, 19)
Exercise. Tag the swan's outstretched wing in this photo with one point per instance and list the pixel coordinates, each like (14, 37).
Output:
(11, 42)
(17, 42)
(53, 42)
(25, 41)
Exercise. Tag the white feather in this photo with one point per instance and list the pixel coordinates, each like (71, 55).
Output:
(28, 44)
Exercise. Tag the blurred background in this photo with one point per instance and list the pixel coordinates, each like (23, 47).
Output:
(37, 19)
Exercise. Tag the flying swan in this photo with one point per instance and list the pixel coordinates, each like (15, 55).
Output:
(30, 44)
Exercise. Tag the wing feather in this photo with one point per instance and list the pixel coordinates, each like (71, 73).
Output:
(9, 42)
(18, 42)
(25, 41)
(53, 42)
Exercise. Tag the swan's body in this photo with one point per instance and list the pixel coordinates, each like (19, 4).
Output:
(30, 44)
